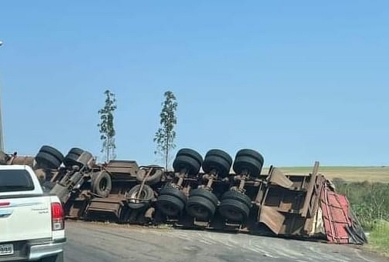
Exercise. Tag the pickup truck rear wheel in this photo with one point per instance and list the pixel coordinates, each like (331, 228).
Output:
(56, 258)
(101, 184)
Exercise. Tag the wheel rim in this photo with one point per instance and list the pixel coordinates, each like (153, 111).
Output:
(136, 199)
(103, 184)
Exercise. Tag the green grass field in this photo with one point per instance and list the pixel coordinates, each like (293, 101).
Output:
(347, 173)
(379, 238)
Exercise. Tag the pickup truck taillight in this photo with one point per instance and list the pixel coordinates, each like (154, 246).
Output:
(57, 216)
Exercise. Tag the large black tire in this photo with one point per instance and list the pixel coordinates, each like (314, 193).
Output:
(247, 164)
(234, 210)
(152, 179)
(171, 201)
(173, 191)
(191, 165)
(146, 196)
(170, 205)
(77, 157)
(200, 208)
(250, 153)
(56, 258)
(76, 151)
(71, 159)
(52, 151)
(221, 154)
(218, 160)
(101, 184)
(201, 192)
(201, 204)
(190, 153)
(46, 160)
(232, 194)
(84, 159)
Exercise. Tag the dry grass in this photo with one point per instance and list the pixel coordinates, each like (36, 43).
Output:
(347, 173)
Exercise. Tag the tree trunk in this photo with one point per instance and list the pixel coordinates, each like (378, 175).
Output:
(107, 149)
(167, 151)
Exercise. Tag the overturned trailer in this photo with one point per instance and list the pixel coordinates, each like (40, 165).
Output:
(215, 192)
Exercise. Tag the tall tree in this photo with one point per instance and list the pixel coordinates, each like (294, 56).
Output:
(106, 126)
(166, 134)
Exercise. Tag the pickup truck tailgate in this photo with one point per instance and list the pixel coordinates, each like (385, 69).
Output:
(25, 218)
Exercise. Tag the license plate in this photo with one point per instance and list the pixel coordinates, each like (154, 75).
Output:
(6, 249)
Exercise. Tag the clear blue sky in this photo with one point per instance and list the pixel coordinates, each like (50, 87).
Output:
(298, 81)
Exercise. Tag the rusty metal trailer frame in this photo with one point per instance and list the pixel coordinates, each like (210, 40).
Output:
(284, 205)
(281, 204)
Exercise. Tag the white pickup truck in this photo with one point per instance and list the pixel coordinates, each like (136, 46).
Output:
(32, 223)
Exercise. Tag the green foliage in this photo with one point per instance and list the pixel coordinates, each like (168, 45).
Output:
(379, 237)
(369, 201)
(166, 134)
(106, 126)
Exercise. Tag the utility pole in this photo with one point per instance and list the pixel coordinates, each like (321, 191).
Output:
(1, 119)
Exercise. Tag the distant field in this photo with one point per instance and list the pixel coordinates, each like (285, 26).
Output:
(348, 173)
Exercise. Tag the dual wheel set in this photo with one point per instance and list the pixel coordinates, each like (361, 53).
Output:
(201, 203)
(50, 158)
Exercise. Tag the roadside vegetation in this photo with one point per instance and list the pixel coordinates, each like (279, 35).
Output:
(370, 203)
(379, 237)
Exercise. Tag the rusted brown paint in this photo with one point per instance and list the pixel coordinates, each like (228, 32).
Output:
(285, 204)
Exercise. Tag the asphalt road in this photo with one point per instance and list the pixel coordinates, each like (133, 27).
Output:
(91, 242)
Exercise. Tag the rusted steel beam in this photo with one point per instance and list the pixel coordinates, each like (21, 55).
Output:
(311, 186)
(276, 177)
